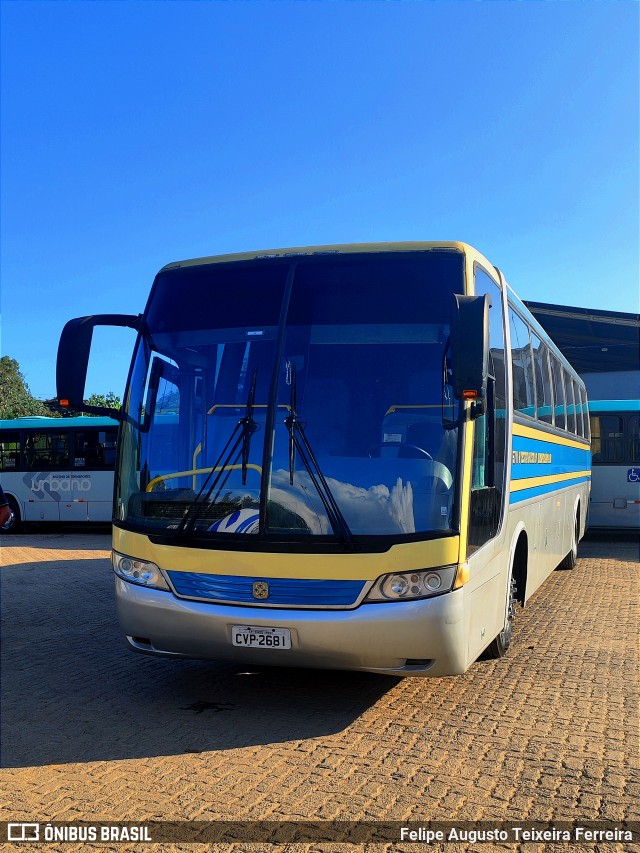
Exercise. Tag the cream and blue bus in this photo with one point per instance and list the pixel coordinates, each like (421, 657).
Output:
(58, 469)
(354, 457)
(615, 446)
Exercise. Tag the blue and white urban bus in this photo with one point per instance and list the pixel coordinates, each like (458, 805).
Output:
(58, 469)
(615, 446)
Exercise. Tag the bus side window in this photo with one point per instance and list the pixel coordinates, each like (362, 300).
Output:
(633, 423)
(576, 394)
(161, 449)
(107, 443)
(10, 451)
(47, 450)
(607, 441)
(596, 438)
(585, 414)
(571, 406)
(524, 400)
(544, 401)
(84, 450)
(558, 393)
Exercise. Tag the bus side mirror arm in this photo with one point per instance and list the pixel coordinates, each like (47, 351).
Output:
(470, 351)
(73, 359)
(477, 409)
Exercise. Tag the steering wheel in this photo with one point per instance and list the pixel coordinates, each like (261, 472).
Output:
(417, 451)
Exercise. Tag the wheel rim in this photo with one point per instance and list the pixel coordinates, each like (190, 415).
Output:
(15, 516)
(507, 631)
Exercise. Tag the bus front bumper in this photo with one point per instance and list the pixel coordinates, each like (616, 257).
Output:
(425, 637)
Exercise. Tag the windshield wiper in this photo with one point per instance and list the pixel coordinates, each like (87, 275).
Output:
(249, 426)
(246, 427)
(299, 441)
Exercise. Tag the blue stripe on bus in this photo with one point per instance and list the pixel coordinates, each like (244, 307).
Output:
(538, 491)
(564, 459)
(41, 423)
(597, 406)
(283, 591)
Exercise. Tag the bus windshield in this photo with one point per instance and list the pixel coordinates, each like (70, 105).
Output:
(295, 397)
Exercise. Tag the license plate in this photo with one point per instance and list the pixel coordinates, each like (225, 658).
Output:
(260, 638)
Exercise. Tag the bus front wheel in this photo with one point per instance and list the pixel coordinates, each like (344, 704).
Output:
(499, 646)
(13, 525)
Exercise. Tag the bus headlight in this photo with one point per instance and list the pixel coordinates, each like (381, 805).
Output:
(138, 571)
(404, 586)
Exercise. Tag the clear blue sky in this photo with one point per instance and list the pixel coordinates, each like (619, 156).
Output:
(138, 133)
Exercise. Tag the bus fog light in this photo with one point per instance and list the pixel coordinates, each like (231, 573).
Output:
(412, 585)
(139, 572)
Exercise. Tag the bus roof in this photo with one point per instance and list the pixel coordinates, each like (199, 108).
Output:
(333, 249)
(614, 405)
(57, 423)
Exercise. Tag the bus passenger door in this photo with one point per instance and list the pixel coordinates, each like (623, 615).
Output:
(485, 542)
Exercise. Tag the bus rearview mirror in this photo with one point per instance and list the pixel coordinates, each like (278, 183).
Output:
(73, 359)
(470, 350)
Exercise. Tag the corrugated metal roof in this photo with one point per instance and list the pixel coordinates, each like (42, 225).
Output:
(594, 341)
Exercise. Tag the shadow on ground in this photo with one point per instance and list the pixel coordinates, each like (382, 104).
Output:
(94, 537)
(597, 544)
(72, 692)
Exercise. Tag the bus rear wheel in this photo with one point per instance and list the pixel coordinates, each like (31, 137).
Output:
(13, 525)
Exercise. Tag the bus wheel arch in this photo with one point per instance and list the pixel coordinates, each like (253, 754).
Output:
(520, 566)
(515, 593)
(571, 559)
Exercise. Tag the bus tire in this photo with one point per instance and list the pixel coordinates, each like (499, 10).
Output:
(16, 523)
(571, 560)
(498, 648)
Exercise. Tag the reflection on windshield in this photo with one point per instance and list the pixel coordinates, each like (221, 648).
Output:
(376, 508)
(211, 401)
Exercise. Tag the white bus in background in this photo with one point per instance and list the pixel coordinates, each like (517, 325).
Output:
(615, 447)
(58, 469)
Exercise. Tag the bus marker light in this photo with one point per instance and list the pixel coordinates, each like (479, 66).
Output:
(462, 576)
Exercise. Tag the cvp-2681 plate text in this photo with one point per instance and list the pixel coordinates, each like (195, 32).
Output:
(247, 637)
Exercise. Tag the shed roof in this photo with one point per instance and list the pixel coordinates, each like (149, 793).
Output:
(594, 341)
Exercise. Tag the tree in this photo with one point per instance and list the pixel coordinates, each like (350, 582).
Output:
(16, 401)
(110, 400)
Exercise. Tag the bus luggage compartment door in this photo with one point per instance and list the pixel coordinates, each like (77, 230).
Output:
(35, 510)
(73, 510)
